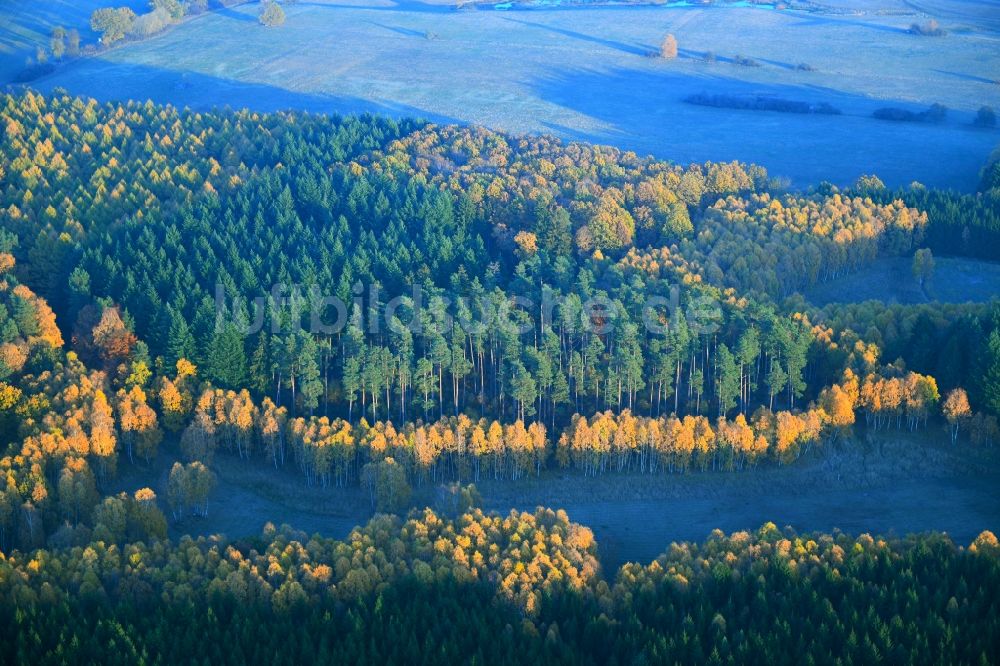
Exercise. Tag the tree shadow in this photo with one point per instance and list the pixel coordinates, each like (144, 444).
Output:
(966, 77)
(777, 63)
(691, 54)
(231, 13)
(634, 49)
(846, 21)
(411, 6)
(406, 32)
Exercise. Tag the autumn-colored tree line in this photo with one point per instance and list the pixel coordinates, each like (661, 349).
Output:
(333, 451)
(118, 221)
(521, 555)
(521, 588)
(125, 216)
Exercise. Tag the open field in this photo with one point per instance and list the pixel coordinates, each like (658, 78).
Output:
(248, 495)
(955, 280)
(639, 530)
(583, 73)
(897, 484)
(900, 484)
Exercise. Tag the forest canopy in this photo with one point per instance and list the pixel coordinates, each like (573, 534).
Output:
(167, 282)
(524, 588)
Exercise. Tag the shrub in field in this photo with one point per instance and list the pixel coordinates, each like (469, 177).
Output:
(985, 117)
(174, 8)
(113, 24)
(745, 62)
(73, 42)
(761, 103)
(147, 25)
(271, 14)
(57, 43)
(929, 29)
(895, 113)
(934, 114)
(668, 49)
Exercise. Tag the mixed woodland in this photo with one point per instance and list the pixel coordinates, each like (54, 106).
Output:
(140, 243)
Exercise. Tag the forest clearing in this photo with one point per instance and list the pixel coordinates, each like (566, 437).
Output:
(895, 484)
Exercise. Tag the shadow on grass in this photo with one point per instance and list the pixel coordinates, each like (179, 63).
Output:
(111, 81)
(848, 22)
(406, 32)
(411, 6)
(634, 49)
(966, 77)
(230, 12)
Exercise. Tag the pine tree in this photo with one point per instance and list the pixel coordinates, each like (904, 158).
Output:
(990, 383)
(402, 342)
(354, 354)
(747, 352)
(459, 366)
(727, 379)
(308, 363)
(777, 379)
(425, 384)
(227, 359)
(680, 341)
(260, 365)
(523, 390)
(180, 340)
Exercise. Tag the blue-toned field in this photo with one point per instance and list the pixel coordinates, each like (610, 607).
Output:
(584, 72)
